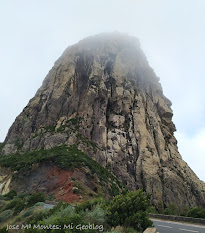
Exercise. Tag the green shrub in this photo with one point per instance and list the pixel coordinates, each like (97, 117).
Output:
(171, 209)
(28, 213)
(19, 218)
(51, 197)
(45, 214)
(96, 216)
(20, 205)
(89, 205)
(63, 212)
(2, 203)
(10, 195)
(185, 210)
(12, 204)
(196, 212)
(160, 207)
(39, 203)
(5, 215)
(3, 230)
(22, 195)
(34, 198)
(17, 204)
(129, 210)
(38, 216)
(151, 210)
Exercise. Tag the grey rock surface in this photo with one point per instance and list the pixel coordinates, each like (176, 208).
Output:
(103, 96)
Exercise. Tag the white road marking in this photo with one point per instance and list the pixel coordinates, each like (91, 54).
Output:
(164, 226)
(178, 223)
(187, 230)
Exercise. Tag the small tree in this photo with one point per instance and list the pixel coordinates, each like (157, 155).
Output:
(171, 209)
(34, 198)
(129, 210)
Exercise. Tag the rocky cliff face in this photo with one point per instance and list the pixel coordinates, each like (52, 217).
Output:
(102, 95)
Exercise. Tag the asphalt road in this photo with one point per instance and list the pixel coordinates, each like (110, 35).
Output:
(48, 206)
(176, 227)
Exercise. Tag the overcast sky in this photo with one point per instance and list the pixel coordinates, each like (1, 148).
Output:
(34, 33)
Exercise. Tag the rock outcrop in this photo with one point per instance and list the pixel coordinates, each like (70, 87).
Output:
(102, 95)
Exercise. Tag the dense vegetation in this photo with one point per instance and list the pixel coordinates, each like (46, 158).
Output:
(172, 209)
(129, 210)
(64, 157)
(12, 204)
(98, 215)
(124, 213)
(195, 212)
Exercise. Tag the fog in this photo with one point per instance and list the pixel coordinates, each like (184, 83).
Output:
(171, 33)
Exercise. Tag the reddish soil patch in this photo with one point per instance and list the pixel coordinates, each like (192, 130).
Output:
(60, 184)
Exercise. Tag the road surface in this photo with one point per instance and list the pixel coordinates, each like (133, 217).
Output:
(164, 226)
(48, 206)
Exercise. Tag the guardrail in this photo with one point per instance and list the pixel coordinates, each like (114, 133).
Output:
(178, 218)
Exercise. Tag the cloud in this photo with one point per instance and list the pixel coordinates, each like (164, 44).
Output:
(192, 149)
